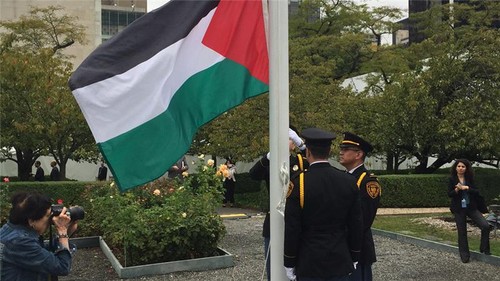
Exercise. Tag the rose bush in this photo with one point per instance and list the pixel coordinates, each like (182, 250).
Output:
(165, 220)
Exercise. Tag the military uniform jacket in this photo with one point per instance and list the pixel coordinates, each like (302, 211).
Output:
(260, 171)
(370, 190)
(316, 240)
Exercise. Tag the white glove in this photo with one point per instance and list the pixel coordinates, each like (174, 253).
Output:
(355, 264)
(290, 273)
(295, 138)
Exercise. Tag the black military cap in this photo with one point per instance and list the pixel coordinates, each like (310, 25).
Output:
(352, 140)
(317, 137)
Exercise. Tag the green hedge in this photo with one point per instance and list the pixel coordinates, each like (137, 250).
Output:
(407, 191)
(398, 191)
(244, 184)
(71, 192)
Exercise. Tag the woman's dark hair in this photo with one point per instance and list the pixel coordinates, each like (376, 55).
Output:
(28, 206)
(469, 173)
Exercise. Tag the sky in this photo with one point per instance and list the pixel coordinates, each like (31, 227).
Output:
(402, 4)
(386, 39)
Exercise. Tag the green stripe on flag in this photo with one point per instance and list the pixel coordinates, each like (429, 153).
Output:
(147, 151)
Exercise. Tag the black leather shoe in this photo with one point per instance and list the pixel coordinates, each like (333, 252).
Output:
(488, 253)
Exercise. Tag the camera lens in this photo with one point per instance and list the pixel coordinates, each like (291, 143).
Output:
(76, 213)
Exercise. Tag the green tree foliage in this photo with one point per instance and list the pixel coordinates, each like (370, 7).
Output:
(446, 105)
(241, 133)
(324, 50)
(39, 114)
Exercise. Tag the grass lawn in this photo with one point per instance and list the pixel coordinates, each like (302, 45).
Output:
(407, 224)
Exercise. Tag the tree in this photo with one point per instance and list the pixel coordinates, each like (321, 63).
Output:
(445, 106)
(240, 134)
(39, 114)
(324, 50)
(16, 115)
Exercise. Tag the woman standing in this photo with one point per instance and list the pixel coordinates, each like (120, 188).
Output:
(229, 184)
(463, 194)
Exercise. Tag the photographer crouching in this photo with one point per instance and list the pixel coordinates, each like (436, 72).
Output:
(23, 253)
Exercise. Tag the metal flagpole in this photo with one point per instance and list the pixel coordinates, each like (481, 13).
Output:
(278, 126)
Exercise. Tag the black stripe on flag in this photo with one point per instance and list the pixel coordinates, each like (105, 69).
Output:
(141, 40)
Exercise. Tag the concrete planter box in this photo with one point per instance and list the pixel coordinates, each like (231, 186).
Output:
(224, 260)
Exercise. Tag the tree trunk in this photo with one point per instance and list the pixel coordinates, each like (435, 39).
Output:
(25, 160)
(422, 166)
(62, 170)
(390, 161)
(423, 169)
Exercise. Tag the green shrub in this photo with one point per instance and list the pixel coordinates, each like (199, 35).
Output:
(71, 192)
(162, 221)
(254, 200)
(244, 184)
(408, 191)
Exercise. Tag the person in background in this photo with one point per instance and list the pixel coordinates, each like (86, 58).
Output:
(178, 168)
(229, 184)
(353, 151)
(260, 171)
(39, 174)
(323, 220)
(102, 174)
(55, 175)
(24, 256)
(463, 193)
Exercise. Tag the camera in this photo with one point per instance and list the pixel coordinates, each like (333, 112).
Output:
(75, 213)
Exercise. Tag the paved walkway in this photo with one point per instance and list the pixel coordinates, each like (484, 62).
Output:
(230, 212)
(406, 211)
(399, 258)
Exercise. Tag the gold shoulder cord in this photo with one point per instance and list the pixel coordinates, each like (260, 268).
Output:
(302, 190)
(301, 162)
(301, 185)
(361, 179)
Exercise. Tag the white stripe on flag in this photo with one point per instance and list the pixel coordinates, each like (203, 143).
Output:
(120, 103)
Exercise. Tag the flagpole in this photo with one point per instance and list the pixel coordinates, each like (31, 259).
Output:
(278, 126)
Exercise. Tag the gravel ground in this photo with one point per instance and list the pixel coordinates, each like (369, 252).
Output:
(396, 261)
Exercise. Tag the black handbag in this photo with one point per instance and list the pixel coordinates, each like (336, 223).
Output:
(481, 204)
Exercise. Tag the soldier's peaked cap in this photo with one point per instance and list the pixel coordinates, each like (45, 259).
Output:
(352, 140)
(318, 137)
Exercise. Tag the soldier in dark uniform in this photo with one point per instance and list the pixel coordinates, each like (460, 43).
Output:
(323, 220)
(260, 171)
(353, 151)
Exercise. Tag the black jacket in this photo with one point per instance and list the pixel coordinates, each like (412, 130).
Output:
(370, 190)
(317, 243)
(55, 175)
(456, 197)
(260, 172)
(40, 174)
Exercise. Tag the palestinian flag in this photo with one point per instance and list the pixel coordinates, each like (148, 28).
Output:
(145, 92)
